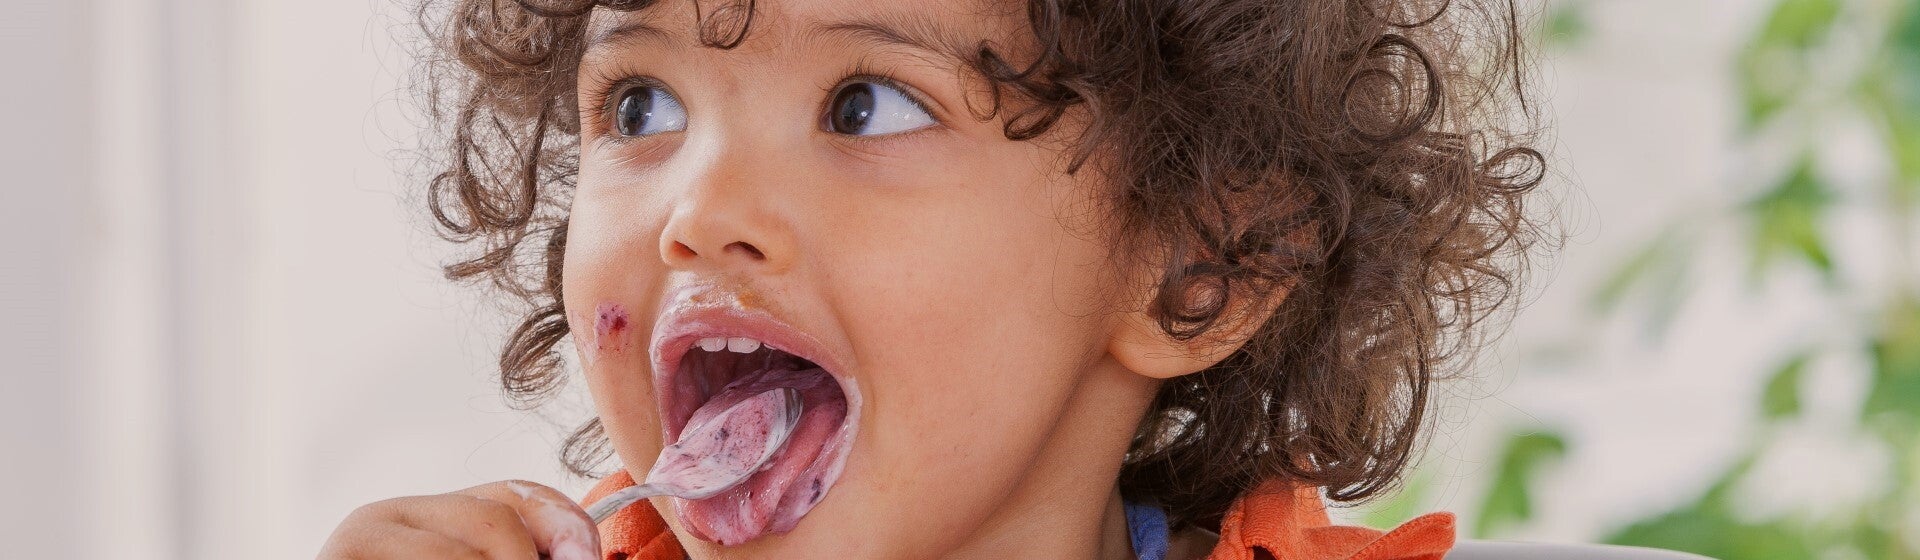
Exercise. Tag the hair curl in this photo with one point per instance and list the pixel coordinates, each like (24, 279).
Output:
(1361, 155)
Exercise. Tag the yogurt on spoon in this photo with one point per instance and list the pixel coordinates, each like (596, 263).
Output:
(736, 436)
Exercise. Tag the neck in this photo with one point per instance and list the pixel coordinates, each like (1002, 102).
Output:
(1069, 505)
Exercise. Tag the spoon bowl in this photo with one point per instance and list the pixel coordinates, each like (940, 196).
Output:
(714, 455)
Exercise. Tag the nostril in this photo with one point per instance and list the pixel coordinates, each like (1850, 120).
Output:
(682, 251)
(748, 248)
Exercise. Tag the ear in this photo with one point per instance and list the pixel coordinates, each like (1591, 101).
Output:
(1140, 345)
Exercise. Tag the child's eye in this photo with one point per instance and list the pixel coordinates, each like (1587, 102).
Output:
(872, 109)
(648, 110)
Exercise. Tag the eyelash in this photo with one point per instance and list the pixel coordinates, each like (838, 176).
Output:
(864, 70)
(607, 83)
(607, 86)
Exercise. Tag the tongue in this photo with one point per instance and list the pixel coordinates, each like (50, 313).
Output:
(788, 484)
(725, 444)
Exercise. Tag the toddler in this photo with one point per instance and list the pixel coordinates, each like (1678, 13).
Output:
(1050, 279)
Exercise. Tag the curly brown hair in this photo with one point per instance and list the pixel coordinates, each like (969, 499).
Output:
(1369, 157)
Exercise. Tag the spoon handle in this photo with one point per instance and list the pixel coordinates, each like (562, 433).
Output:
(617, 501)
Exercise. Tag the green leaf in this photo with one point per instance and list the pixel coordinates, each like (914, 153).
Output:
(1787, 220)
(1566, 24)
(1895, 388)
(1768, 80)
(1656, 254)
(1873, 540)
(1781, 400)
(1656, 274)
(1773, 68)
(1402, 505)
(1900, 122)
(1718, 534)
(1710, 527)
(1509, 501)
(1903, 144)
(1906, 33)
(1799, 23)
(1891, 95)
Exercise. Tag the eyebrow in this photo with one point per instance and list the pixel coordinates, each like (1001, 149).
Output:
(625, 32)
(905, 30)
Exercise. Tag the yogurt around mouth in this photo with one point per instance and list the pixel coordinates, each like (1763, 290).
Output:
(796, 478)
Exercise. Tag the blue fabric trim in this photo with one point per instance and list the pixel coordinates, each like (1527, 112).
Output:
(1147, 528)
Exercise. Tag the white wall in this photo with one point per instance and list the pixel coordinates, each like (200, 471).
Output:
(41, 246)
(225, 317)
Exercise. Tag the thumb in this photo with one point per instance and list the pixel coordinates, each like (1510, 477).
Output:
(561, 529)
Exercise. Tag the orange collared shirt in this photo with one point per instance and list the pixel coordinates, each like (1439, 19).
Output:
(1287, 523)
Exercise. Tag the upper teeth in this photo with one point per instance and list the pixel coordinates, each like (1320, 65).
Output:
(738, 344)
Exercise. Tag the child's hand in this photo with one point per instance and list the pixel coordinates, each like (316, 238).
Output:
(508, 520)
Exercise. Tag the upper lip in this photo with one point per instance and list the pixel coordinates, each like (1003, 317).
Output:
(680, 328)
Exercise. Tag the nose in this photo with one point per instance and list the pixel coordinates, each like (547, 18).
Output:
(728, 218)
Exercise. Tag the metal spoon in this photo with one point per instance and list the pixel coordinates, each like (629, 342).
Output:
(692, 459)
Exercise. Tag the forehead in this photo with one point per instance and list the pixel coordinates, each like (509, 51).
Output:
(951, 27)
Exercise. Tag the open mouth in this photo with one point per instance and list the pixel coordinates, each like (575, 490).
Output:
(705, 366)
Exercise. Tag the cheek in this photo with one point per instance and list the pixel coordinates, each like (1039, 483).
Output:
(611, 275)
(975, 318)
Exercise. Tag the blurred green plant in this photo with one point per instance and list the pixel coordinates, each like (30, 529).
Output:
(1795, 80)
(1777, 65)
(1565, 25)
(1510, 499)
(1807, 66)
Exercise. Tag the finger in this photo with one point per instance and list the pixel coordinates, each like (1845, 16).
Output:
(391, 540)
(492, 527)
(559, 526)
(408, 542)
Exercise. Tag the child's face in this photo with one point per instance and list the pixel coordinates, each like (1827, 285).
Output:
(824, 188)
